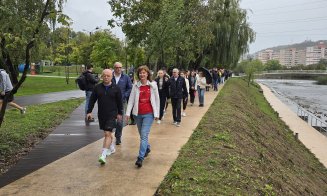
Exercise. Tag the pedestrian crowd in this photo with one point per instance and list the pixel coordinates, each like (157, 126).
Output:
(123, 100)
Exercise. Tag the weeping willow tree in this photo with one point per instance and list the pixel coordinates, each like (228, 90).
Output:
(185, 33)
(232, 33)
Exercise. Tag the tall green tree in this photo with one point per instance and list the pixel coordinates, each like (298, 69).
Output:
(22, 24)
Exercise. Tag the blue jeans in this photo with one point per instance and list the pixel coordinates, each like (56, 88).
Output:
(201, 95)
(87, 98)
(144, 123)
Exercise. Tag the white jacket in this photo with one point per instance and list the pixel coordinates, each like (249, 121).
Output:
(133, 102)
(187, 85)
(202, 83)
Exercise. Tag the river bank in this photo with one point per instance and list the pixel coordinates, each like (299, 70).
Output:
(304, 93)
(241, 147)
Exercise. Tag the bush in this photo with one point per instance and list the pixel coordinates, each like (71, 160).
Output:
(321, 80)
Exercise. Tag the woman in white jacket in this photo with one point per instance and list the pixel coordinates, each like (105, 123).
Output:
(202, 83)
(144, 100)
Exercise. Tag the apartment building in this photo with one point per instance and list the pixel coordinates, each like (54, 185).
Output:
(290, 57)
(315, 53)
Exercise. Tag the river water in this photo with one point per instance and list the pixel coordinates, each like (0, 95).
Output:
(304, 93)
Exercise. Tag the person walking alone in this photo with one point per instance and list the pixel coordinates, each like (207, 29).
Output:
(163, 87)
(177, 90)
(145, 103)
(202, 83)
(110, 110)
(124, 82)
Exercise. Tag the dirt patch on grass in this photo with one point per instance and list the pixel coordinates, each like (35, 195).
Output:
(242, 147)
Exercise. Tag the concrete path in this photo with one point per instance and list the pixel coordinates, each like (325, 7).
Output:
(80, 174)
(315, 141)
(68, 137)
(49, 97)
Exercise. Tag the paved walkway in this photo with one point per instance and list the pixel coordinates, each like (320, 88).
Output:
(70, 136)
(315, 141)
(49, 97)
(80, 174)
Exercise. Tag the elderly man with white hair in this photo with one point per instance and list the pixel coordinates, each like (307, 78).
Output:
(110, 110)
(178, 90)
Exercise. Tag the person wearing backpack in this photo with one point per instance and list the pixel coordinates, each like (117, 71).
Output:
(5, 89)
(90, 80)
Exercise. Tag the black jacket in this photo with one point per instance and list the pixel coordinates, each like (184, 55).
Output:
(91, 80)
(165, 86)
(177, 89)
(110, 102)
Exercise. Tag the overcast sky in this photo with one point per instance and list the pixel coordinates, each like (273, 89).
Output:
(277, 22)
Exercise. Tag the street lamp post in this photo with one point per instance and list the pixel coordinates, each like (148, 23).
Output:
(90, 32)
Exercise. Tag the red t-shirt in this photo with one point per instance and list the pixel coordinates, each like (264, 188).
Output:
(145, 106)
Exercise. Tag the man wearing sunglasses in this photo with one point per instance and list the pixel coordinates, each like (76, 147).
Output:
(124, 82)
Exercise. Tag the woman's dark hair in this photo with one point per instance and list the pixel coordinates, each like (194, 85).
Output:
(145, 68)
(89, 66)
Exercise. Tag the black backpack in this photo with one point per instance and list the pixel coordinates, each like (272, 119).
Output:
(81, 81)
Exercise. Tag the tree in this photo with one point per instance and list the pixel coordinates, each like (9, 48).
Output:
(273, 65)
(106, 50)
(250, 67)
(22, 24)
(185, 33)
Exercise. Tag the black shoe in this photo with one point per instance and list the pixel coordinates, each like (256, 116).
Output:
(147, 152)
(201, 105)
(118, 141)
(139, 162)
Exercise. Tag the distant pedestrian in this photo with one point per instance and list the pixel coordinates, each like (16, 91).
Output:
(202, 83)
(124, 82)
(177, 90)
(193, 86)
(5, 90)
(215, 78)
(163, 87)
(91, 80)
(110, 111)
(185, 95)
(145, 103)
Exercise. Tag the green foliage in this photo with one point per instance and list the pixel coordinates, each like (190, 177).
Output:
(106, 50)
(273, 65)
(322, 80)
(185, 33)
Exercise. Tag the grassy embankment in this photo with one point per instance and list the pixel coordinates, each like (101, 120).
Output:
(321, 80)
(241, 147)
(19, 133)
(39, 85)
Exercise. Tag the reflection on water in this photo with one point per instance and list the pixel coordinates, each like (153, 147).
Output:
(305, 93)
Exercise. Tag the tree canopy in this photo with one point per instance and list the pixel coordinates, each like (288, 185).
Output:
(186, 33)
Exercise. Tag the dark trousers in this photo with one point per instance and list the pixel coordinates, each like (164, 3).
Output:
(163, 99)
(176, 103)
(185, 100)
(192, 95)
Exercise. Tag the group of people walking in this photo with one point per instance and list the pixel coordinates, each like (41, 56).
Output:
(145, 100)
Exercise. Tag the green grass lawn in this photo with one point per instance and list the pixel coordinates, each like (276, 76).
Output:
(39, 85)
(19, 132)
(241, 147)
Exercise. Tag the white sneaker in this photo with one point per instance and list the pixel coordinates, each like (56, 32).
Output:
(111, 151)
(184, 114)
(174, 123)
(178, 124)
(158, 122)
(23, 111)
